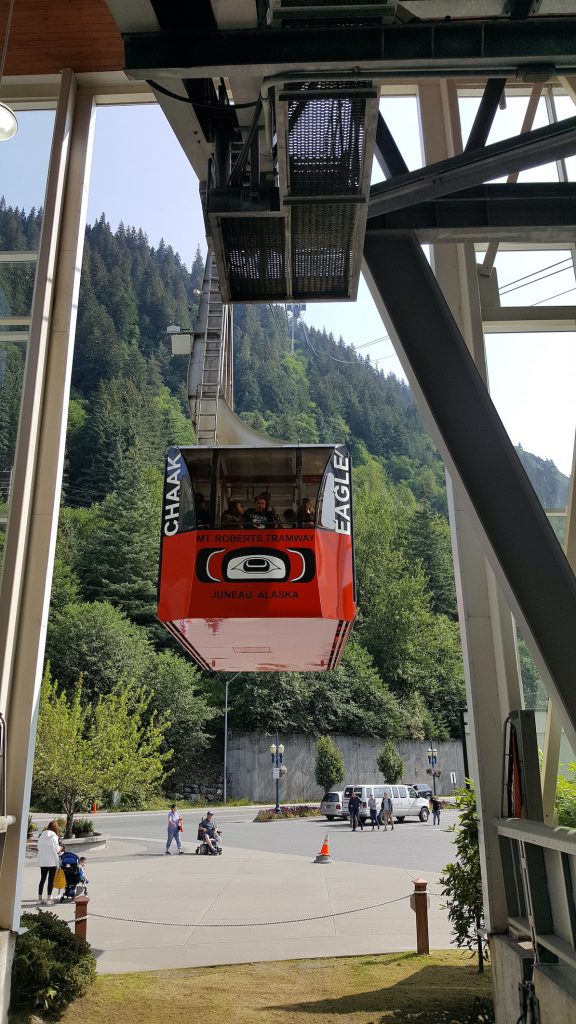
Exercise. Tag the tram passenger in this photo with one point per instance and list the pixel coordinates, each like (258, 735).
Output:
(259, 516)
(202, 510)
(306, 513)
(234, 514)
(289, 517)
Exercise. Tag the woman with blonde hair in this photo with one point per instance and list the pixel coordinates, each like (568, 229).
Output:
(48, 858)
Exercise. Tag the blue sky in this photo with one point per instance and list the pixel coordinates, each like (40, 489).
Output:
(141, 177)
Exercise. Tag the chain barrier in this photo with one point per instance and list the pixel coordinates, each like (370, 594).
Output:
(247, 924)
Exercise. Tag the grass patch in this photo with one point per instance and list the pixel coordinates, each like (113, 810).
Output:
(400, 988)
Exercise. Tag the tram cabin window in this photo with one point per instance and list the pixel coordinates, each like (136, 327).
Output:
(254, 488)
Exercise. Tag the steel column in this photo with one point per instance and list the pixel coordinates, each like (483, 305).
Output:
(33, 520)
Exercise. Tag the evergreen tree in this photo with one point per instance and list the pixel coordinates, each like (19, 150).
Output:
(97, 642)
(330, 768)
(390, 763)
(427, 542)
(11, 378)
(119, 562)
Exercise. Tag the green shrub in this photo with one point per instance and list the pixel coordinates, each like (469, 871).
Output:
(83, 827)
(298, 811)
(566, 797)
(330, 767)
(52, 966)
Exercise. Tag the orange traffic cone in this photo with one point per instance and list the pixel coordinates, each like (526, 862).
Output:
(324, 856)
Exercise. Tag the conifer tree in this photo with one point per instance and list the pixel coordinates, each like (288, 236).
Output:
(119, 563)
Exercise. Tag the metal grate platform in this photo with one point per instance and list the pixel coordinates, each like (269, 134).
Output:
(307, 243)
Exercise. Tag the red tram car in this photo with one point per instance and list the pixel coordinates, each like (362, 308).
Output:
(257, 566)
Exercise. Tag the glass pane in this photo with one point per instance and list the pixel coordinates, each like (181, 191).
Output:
(25, 160)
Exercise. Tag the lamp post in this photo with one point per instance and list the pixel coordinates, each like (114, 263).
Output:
(225, 787)
(433, 761)
(276, 752)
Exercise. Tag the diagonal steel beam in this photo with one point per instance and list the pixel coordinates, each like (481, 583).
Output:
(386, 151)
(493, 92)
(519, 543)
(531, 149)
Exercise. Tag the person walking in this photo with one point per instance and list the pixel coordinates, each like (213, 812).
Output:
(174, 828)
(373, 808)
(48, 859)
(354, 811)
(387, 808)
(436, 808)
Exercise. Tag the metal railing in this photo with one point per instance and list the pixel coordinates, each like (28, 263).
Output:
(539, 864)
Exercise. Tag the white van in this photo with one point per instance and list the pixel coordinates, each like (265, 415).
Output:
(407, 803)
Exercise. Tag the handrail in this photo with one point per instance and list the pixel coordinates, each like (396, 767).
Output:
(539, 865)
(557, 837)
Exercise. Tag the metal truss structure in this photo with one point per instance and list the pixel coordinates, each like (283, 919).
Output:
(275, 103)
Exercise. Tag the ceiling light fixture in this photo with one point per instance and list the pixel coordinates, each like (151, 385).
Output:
(8, 122)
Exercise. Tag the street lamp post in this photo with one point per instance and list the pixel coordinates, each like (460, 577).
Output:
(433, 761)
(276, 752)
(225, 787)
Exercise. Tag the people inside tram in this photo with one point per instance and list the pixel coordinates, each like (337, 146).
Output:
(306, 513)
(234, 514)
(260, 516)
(289, 517)
(202, 510)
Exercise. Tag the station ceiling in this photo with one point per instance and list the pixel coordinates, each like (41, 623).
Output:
(275, 104)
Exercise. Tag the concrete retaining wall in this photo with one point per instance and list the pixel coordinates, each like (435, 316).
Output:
(250, 765)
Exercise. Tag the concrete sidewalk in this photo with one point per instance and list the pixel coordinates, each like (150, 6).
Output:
(288, 908)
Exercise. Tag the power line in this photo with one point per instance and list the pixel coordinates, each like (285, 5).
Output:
(557, 296)
(535, 273)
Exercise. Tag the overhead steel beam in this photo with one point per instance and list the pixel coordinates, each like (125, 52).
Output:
(519, 543)
(493, 93)
(468, 48)
(472, 168)
(386, 151)
(530, 213)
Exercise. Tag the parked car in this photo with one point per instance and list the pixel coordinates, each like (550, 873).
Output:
(407, 803)
(332, 805)
(423, 789)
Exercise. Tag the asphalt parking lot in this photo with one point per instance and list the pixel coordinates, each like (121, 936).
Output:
(264, 899)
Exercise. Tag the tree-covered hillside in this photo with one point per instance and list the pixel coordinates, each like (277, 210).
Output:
(401, 674)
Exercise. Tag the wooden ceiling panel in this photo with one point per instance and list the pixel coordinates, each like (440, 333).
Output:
(49, 35)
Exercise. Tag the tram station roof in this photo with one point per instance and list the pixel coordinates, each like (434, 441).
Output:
(275, 104)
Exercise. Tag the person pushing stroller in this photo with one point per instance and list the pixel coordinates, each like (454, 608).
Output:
(70, 864)
(209, 835)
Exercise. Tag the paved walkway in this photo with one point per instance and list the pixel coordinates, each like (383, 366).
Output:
(288, 907)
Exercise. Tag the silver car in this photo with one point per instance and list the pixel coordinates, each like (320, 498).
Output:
(332, 805)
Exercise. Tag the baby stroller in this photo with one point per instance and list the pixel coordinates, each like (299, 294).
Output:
(75, 886)
(203, 847)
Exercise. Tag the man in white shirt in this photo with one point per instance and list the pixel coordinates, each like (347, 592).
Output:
(174, 828)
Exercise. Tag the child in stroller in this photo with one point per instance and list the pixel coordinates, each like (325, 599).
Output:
(209, 836)
(70, 864)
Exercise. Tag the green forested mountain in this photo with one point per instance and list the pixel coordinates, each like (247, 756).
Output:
(402, 671)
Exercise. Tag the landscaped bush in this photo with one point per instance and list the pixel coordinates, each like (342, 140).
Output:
(52, 966)
(83, 827)
(566, 797)
(298, 811)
